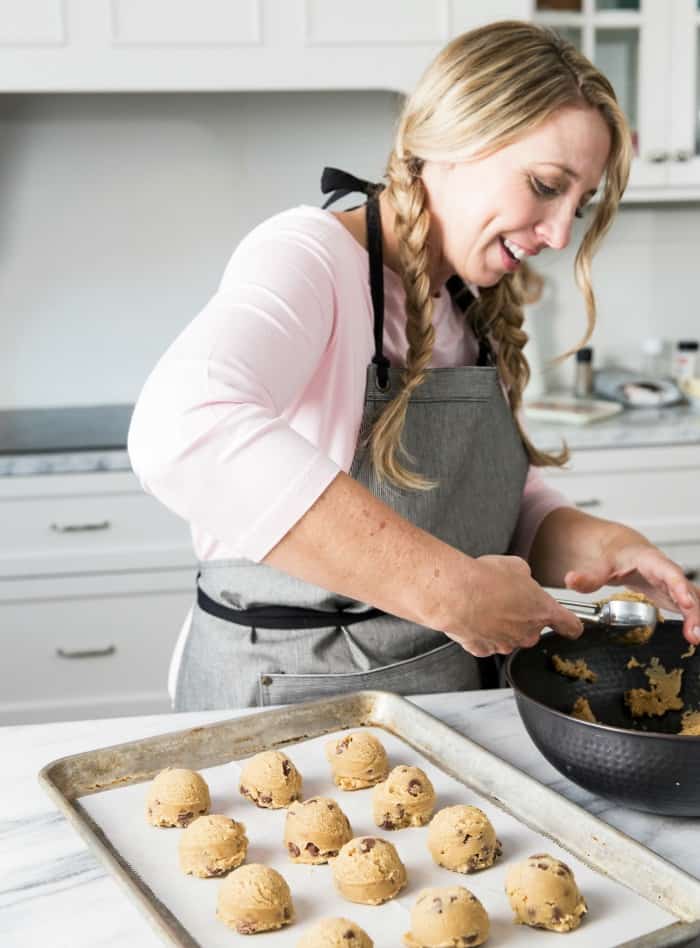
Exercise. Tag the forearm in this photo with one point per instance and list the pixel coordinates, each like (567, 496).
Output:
(568, 539)
(352, 543)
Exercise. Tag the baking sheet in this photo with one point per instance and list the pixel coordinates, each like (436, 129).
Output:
(616, 914)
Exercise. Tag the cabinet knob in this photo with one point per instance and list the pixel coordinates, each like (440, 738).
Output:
(591, 502)
(657, 157)
(80, 527)
(683, 155)
(87, 653)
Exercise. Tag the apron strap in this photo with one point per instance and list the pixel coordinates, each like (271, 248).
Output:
(342, 183)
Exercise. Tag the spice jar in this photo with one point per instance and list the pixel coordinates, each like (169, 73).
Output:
(583, 382)
(685, 359)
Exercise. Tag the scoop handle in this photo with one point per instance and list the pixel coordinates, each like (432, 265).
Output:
(587, 612)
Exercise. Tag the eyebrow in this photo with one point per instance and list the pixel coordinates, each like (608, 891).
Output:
(571, 173)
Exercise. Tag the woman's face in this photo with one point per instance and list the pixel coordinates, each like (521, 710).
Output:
(487, 212)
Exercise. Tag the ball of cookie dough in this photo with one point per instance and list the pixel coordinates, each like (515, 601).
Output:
(212, 846)
(543, 893)
(451, 917)
(357, 760)
(176, 797)
(270, 780)
(255, 899)
(462, 838)
(368, 870)
(315, 830)
(405, 798)
(335, 933)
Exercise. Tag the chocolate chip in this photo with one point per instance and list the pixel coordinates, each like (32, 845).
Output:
(341, 745)
(367, 843)
(387, 824)
(293, 849)
(157, 802)
(312, 848)
(331, 853)
(286, 767)
(311, 800)
(531, 912)
(414, 787)
(466, 837)
(471, 938)
(542, 865)
(185, 816)
(348, 935)
(331, 806)
(214, 871)
(556, 914)
(564, 866)
(287, 912)
(244, 791)
(453, 898)
(246, 928)
(264, 798)
(437, 906)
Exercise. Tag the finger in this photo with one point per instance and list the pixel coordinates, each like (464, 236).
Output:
(565, 622)
(588, 581)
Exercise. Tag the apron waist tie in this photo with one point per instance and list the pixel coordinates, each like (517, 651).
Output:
(282, 617)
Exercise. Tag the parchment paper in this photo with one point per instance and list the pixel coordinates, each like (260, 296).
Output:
(616, 914)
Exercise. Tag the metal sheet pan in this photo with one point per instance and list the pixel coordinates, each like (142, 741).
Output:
(596, 844)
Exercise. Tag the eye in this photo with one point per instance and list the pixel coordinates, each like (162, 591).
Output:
(539, 187)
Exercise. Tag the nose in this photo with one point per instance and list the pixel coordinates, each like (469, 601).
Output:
(555, 227)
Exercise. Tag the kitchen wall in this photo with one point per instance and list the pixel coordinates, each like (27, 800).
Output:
(119, 213)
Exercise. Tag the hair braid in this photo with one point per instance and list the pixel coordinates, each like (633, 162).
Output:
(407, 196)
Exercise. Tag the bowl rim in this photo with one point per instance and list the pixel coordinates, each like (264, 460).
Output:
(594, 724)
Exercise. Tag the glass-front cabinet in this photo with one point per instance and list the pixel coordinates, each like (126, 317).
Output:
(650, 51)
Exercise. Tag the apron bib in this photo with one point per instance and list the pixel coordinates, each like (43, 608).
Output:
(259, 636)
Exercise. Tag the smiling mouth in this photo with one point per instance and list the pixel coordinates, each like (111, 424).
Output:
(514, 252)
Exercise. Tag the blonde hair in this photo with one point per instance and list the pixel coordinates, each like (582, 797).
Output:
(482, 92)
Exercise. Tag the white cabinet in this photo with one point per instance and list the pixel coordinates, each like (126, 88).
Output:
(189, 45)
(654, 490)
(96, 579)
(649, 51)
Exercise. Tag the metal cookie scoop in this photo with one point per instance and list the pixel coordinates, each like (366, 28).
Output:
(618, 613)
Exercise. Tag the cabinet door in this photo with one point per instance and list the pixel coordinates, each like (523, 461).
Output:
(684, 103)
(628, 42)
(93, 647)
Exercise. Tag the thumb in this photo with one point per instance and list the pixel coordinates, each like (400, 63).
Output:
(586, 581)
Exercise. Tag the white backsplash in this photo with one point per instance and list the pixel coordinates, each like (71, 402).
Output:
(121, 211)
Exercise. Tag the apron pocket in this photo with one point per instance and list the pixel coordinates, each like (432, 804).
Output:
(445, 668)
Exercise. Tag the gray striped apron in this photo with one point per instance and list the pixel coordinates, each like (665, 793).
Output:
(259, 636)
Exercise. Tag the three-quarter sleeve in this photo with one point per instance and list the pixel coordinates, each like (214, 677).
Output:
(214, 434)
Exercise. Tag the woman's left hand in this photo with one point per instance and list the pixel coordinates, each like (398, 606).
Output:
(644, 569)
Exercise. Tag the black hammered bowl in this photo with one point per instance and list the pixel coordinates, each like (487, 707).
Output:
(637, 762)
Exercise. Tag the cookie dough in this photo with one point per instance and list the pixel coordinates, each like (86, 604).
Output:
(543, 894)
(690, 652)
(368, 870)
(358, 760)
(270, 780)
(462, 838)
(662, 695)
(315, 830)
(690, 724)
(583, 711)
(447, 918)
(212, 846)
(255, 899)
(176, 797)
(405, 798)
(577, 669)
(335, 933)
(633, 663)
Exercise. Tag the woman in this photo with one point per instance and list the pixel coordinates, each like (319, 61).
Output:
(365, 507)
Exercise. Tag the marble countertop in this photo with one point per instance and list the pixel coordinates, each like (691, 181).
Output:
(641, 427)
(53, 891)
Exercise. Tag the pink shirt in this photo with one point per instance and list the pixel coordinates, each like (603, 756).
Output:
(256, 406)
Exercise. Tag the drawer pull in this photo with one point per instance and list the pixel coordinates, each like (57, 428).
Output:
(593, 502)
(80, 527)
(691, 574)
(87, 653)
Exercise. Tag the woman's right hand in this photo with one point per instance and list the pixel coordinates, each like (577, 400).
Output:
(501, 608)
